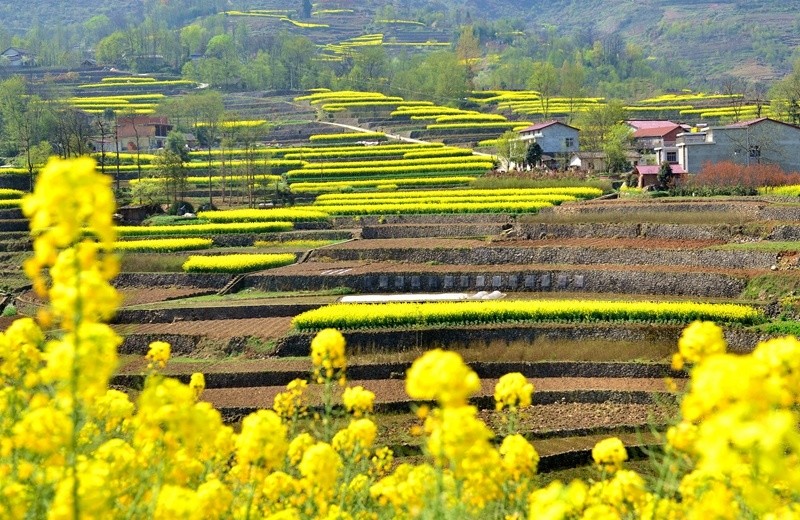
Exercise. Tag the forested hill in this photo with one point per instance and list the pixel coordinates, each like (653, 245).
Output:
(754, 40)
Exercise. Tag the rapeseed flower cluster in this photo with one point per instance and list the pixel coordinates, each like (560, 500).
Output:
(72, 448)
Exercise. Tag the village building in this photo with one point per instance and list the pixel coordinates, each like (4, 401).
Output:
(759, 141)
(16, 57)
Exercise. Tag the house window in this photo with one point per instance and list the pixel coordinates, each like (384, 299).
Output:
(569, 142)
(755, 152)
(672, 157)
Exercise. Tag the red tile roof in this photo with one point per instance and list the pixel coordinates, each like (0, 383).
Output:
(656, 131)
(545, 124)
(745, 124)
(639, 124)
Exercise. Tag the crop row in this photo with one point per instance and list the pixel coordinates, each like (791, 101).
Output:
(371, 151)
(346, 99)
(163, 245)
(10, 203)
(382, 199)
(433, 169)
(352, 136)
(441, 152)
(584, 192)
(127, 79)
(392, 315)
(7, 193)
(204, 229)
(263, 178)
(265, 215)
(117, 98)
(230, 163)
(238, 263)
(406, 111)
(372, 104)
(325, 94)
(466, 118)
(165, 83)
(786, 191)
(698, 96)
(469, 159)
(479, 125)
(419, 208)
(335, 186)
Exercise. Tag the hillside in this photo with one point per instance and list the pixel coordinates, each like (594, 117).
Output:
(705, 40)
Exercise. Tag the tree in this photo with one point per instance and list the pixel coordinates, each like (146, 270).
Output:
(785, 96)
(468, 50)
(615, 147)
(205, 111)
(665, 176)
(169, 166)
(533, 155)
(595, 124)
(24, 119)
(176, 143)
(510, 149)
(371, 69)
(544, 80)
(305, 9)
(572, 78)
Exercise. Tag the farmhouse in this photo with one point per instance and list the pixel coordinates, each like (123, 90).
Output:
(648, 174)
(16, 57)
(596, 161)
(759, 141)
(142, 132)
(555, 137)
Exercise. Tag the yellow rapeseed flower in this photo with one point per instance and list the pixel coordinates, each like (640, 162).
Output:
(197, 383)
(610, 454)
(513, 391)
(698, 341)
(159, 353)
(327, 355)
(442, 376)
(358, 400)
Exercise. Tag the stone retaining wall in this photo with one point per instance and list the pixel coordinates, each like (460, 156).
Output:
(383, 371)
(538, 280)
(191, 280)
(643, 230)
(433, 230)
(226, 312)
(561, 255)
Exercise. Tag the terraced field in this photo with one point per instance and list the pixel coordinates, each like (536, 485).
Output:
(592, 377)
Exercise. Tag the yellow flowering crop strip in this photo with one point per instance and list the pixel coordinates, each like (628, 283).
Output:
(130, 79)
(478, 125)
(785, 191)
(165, 83)
(393, 315)
(391, 171)
(352, 136)
(442, 152)
(204, 229)
(399, 198)
(164, 245)
(10, 203)
(583, 192)
(335, 186)
(265, 215)
(467, 118)
(238, 263)
(8, 193)
(468, 159)
(445, 206)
